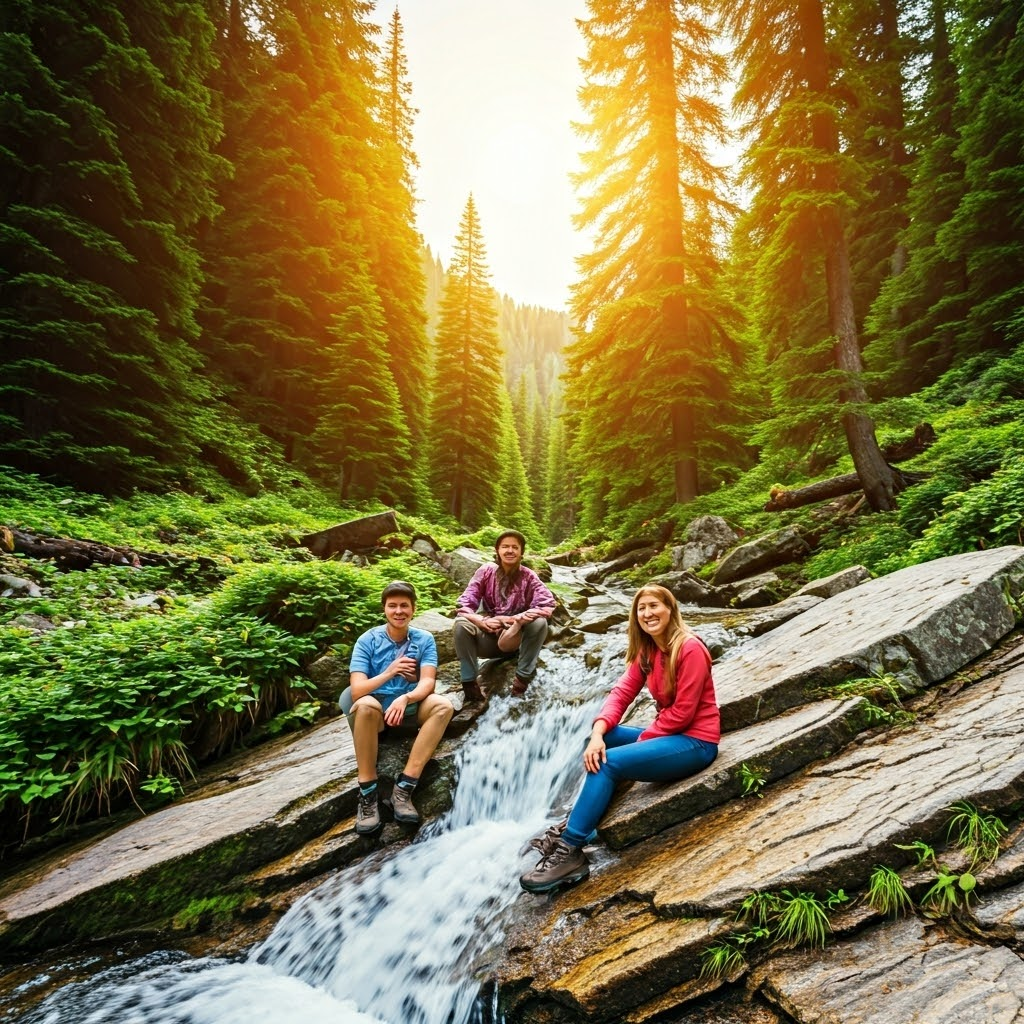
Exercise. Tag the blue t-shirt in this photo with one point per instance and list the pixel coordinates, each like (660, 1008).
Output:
(375, 650)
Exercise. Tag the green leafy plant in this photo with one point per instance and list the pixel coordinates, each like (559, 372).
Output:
(944, 895)
(753, 778)
(887, 893)
(760, 907)
(726, 956)
(978, 835)
(924, 853)
(802, 919)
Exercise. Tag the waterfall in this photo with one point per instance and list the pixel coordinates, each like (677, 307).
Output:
(402, 937)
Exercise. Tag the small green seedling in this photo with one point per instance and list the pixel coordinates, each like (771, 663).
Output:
(753, 778)
(887, 894)
(977, 834)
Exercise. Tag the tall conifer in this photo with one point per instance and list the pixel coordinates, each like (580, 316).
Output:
(466, 416)
(649, 373)
(106, 173)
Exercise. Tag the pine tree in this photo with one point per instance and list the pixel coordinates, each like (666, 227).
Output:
(296, 325)
(513, 503)
(466, 415)
(559, 485)
(984, 233)
(802, 184)
(394, 250)
(106, 174)
(648, 379)
(915, 320)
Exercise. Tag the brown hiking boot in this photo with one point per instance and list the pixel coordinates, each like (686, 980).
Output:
(564, 865)
(472, 693)
(405, 811)
(368, 814)
(519, 687)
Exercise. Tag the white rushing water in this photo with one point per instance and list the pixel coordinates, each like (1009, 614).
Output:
(402, 937)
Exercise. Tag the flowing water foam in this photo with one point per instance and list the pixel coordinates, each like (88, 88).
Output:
(401, 937)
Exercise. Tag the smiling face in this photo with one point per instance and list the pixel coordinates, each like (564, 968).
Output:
(399, 611)
(654, 616)
(510, 554)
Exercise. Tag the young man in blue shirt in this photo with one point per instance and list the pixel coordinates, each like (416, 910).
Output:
(393, 670)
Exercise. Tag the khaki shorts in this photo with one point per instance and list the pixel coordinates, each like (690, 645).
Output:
(345, 703)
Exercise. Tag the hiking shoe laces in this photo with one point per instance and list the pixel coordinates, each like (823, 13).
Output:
(545, 842)
(405, 810)
(564, 865)
(368, 814)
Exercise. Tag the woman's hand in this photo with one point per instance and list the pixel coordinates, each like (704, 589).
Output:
(594, 756)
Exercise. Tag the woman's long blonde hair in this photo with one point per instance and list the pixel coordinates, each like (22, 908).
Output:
(641, 645)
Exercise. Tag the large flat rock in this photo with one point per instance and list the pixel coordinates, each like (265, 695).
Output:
(900, 972)
(922, 624)
(775, 748)
(241, 819)
(824, 828)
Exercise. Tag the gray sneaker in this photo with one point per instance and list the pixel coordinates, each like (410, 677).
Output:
(564, 865)
(368, 814)
(405, 812)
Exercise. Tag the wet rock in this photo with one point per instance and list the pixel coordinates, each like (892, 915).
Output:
(752, 592)
(356, 535)
(707, 537)
(829, 586)
(637, 556)
(766, 619)
(902, 971)
(921, 624)
(441, 627)
(688, 589)
(765, 552)
(461, 563)
(771, 750)
(603, 612)
(825, 828)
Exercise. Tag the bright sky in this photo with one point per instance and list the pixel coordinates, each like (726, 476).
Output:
(495, 84)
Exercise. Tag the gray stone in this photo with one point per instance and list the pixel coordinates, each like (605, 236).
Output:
(688, 589)
(637, 556)
(36, 623)
(356, 535)
(829, 586)
(15, 586)
(440, 626)
(752, 592)
(922, 624)
(764, 619)
(760, 554)
(902, 971)
(707, 537)
(461, 563)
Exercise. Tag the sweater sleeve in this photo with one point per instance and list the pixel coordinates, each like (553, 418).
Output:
(469, 602)
(691, 675)
(623, 694)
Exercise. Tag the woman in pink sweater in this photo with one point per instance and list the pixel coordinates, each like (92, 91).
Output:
(683, 738)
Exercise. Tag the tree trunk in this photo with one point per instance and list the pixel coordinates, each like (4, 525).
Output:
(879, 480)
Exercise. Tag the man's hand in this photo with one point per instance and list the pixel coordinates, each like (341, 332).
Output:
(396, 712)
(404, 667)
(529, 615)
(493, 623)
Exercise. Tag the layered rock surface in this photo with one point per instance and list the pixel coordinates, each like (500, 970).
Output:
(628, 944)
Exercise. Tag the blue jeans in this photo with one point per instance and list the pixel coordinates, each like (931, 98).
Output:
(662, 759)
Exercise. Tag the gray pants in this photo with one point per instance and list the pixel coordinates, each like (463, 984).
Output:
(472, 642)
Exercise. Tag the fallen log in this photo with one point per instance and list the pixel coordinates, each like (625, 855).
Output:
(824, 489)
(70, 553)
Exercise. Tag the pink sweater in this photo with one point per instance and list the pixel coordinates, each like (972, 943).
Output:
(694, 710)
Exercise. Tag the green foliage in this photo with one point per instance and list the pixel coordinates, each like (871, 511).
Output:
(726, 956)
(882, 695)
(978, 835)
(753, 778)
(887, 893)
(803, 919)
(924, 853)
(944, 896)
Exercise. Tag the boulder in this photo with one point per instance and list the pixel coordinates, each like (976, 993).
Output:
(829, 586)
(461, 563)
(707, 537)
(440, 626)
(689, 589)
(635, 556)
(356, 535)
(752, 592)
(763, 553)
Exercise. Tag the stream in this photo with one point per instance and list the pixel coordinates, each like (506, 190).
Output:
(399, 938)
(404, 937)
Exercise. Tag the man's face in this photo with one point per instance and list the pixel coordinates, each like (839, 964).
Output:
(399, 612)
(510, 552)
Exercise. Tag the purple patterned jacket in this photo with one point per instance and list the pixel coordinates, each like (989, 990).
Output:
(484, 594)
